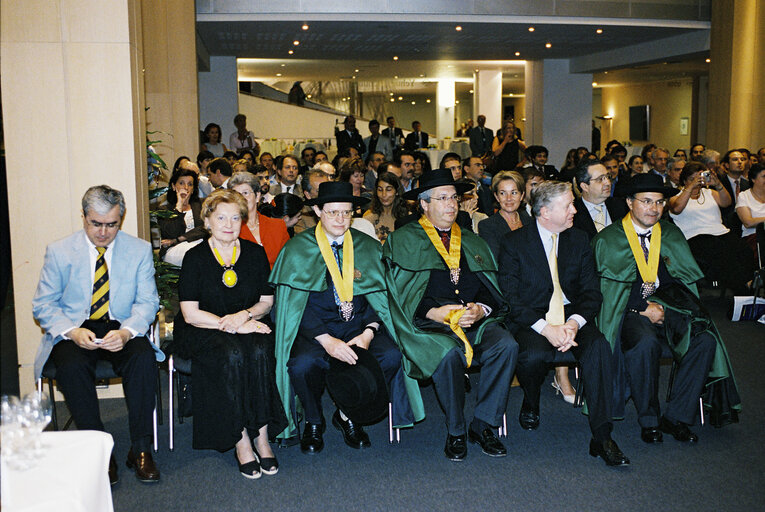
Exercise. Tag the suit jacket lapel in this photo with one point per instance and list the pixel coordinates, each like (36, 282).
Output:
(81, 257)
(537, 252)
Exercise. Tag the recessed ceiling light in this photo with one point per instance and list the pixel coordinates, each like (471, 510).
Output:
(291, 52)
(531, 29)
(599, 31)
(414, 102)
(594, 84)
(305, 26)
(354, 76)
(450, 66)
(548, 45)
(355, 70)
(296, 42)
(392, 100)
(308, 96)
(390, 93)
(395, 57)
(471, 91)
(400, 98)
(458, 28)
(517, 54)
(708, 61)
(605, 72)
(511, 94)
(421, 76)
(457, 102)
(427, 100)
(278, 74)
(284, 65)
(395, 76)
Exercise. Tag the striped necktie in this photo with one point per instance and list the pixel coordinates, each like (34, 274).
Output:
(99, 304)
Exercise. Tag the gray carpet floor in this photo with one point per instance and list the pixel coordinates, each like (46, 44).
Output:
(548, 469)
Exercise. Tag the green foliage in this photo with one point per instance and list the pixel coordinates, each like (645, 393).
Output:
(166, 275)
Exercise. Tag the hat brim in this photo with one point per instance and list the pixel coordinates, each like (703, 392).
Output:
(665, 191)
(338, 376)
(355, 200)
(461, 188)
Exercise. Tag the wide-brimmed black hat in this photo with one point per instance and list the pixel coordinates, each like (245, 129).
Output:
(437, 178)
(359, 390)
(285, 205)
(649, 182)
(336, 192)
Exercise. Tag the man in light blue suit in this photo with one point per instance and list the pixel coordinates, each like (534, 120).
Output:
(96, 300)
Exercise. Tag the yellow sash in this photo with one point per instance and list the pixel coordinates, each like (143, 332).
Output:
(649, 270)
(343, 283)
(452, 260)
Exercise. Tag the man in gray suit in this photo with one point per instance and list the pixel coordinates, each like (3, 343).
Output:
(96, 300)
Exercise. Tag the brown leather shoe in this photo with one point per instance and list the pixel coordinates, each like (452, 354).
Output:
(113, 476)
(145, 469)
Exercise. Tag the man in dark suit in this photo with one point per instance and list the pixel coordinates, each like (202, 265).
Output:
(734, 163)
(395, 134)
(350, 137)
(547, 274)
(537, 155)
(596, 209)
(473, 168)
(96, 300)
(480, 138)
(417, 139)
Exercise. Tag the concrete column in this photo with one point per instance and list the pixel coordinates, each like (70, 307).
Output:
(170, 63)
(445, 97)
(559, 109)
(219, 96)
(487, 97)
(736, 107)
(72, 97)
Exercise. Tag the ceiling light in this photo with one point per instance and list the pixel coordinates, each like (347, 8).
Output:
(457, 102)
(605, 72)
(395, 57)
(548, 45)
(471, 91)
(354, 77)
(511, 94)
(414, 102)
(400, 98)
(708, 61)
(390, 93)
(421, 76)
(395, 76)
(284, 65)
(392, 100)
(427, 100)
(594, 84)
(296, 42)
(458, 28)
(305, 26)
(517, 54)
(308, 96)
(355, 70)
(531, 29)
(599, 31)
(291, 52)
(278, 74)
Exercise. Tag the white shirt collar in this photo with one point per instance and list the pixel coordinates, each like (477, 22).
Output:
(641, 231)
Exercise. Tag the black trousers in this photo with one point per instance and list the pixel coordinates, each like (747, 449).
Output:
(496, 355)
(595, 359)
(135, 363)
(642, 346)
(308, 365)
(724, 258)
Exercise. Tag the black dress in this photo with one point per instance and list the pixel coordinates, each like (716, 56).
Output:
(508, 159)
(234, 384)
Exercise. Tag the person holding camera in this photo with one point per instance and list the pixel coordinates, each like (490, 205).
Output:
(696, 211)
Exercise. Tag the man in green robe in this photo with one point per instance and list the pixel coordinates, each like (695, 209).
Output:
(446, 306)
(650, 300)
(317, 320)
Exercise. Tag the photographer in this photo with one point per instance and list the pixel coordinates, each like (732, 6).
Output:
(696, 211)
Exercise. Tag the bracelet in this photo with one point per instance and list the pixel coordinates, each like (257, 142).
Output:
(374, 330)
(249, 315)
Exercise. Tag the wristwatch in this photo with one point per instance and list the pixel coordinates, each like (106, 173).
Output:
(249, 315)
(372, 328)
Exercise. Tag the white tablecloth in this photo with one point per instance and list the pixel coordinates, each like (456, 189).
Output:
(275, 147)
(72, 476)
(460, 147)
(435, 156)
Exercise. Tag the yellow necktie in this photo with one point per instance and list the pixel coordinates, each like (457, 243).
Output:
(600, 218)
(555, 314)
(99, 304)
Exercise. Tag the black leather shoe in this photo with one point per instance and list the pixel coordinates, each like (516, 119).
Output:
(456, 448)
(145, 469)
(529, 418)
(651, 435)
(114, 477)
(679, 431)
(608, 451)
(353, 435)
(312, 440)
(490, 445)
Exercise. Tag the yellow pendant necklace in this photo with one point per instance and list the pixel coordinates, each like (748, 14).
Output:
(229, 274)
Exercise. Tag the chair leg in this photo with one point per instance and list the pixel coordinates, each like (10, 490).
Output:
(502, 430)
(701, 410)
(160, 419)
(52, 396)
(154, 429)
(170, 413)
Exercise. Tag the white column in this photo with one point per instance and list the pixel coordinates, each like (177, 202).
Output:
(219, 96)
(445, 97)
(558, 108)
(487, 97)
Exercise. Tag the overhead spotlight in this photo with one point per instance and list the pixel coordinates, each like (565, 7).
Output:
(517, 54)
(355, 70)
(457, 102)
(283, 65)
(278, 74)
(427, 100)
(599, 31)
(395, 76)
(471, 91)
(421, 76)
(414, 102)
(605, 72)
(531, 29)
(458, 28)
(354, 77)
(305, 26)
(291, 52)
(392, 100)
(594, 84)
(548, 45)
(400, 98)
(510, 94)
(308, 96)
(708, 61)
(395, 57)
(390, 93)
(296, 42)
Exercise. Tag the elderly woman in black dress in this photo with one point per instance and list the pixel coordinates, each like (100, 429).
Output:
(223, 329)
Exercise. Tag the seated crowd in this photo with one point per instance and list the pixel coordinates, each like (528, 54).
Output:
(374, 274)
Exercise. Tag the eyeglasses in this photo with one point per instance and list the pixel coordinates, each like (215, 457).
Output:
(651, 202)
(332, 214)
(441, 199)
(107, 225)
(601, 179)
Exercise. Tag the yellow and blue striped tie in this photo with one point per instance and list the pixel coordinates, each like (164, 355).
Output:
(99, 304)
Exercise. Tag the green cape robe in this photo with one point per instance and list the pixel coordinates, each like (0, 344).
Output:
(300, 270)
(617, 268)
(410, 256)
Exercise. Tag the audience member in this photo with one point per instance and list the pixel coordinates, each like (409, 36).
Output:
(388, 205)
(473, 168)
(418, 139)
(185, 228)
(220, 172)
(481, 138)
(287, 173)
(506, 147)
(350, 137)
(373, 162)
(308, 155)
(696, 151)
(377, 142)
(508, 188)
(537, 155)
(750, 208)
(212, 143)
(394, 134)
(242, 138)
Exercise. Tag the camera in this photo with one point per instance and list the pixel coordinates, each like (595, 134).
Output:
(705, 176)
